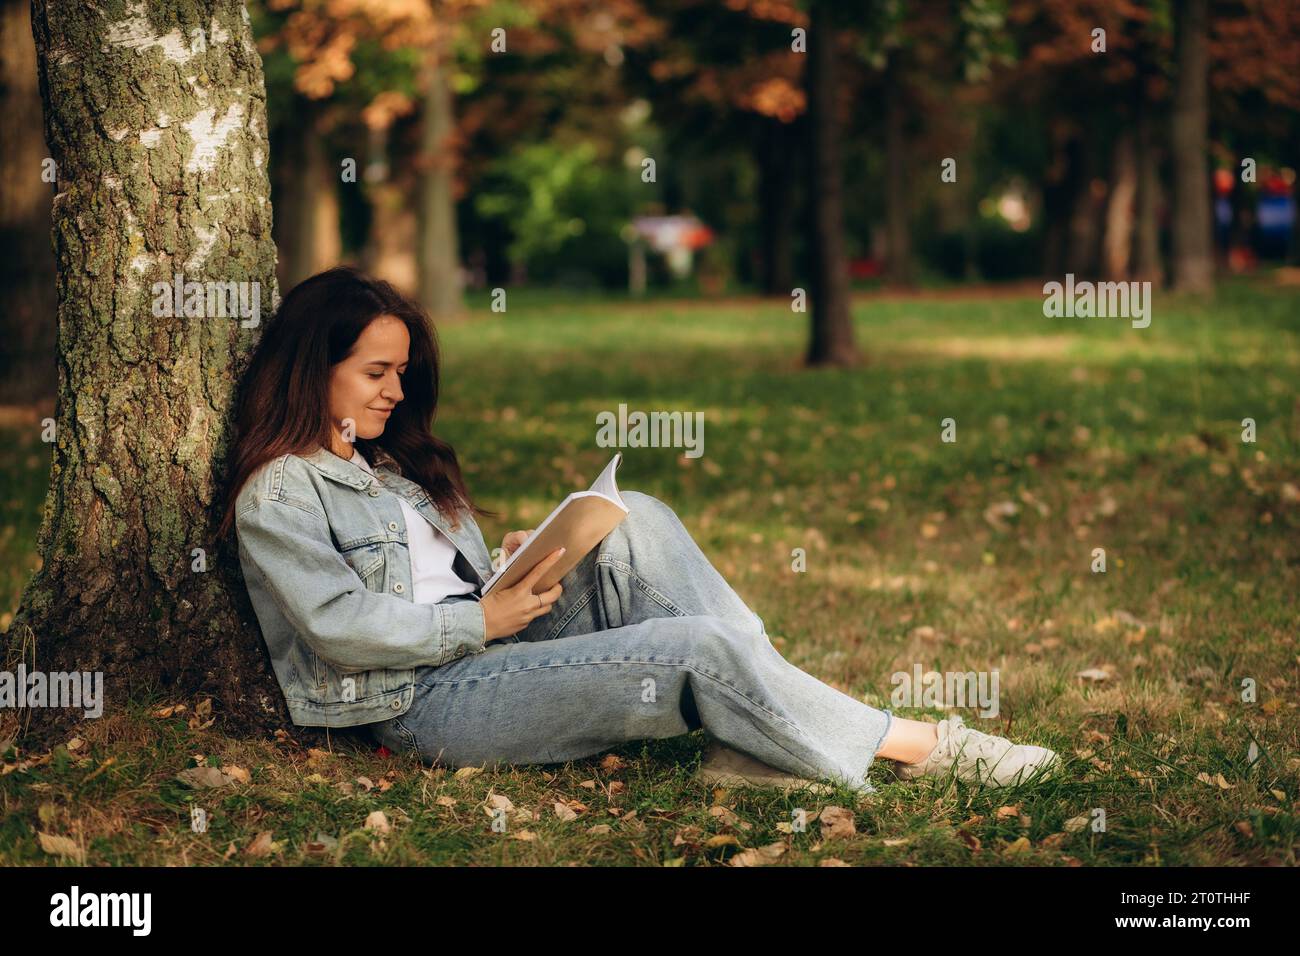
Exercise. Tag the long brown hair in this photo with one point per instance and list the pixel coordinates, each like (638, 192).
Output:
(283, 406)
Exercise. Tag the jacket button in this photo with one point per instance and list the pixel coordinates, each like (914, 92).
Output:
(461, 652)
(396, 704)
(392, 526)
(399, 587)
(374, 493)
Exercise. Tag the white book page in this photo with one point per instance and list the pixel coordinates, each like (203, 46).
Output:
(603, 487)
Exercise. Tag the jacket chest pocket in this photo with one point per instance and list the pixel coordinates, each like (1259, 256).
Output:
(367, 561)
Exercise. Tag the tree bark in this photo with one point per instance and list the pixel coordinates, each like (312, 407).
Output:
(390, 252)
(439, 252)
(1083, 239)
(1147, 266)
(1060, 188)
(897, 202)
(157, 122)
(832, 321)
(307, 230)
(776, 192)
(26, 260)
(1193, 238)
(1117, 240)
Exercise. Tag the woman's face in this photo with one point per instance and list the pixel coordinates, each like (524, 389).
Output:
(366, 386)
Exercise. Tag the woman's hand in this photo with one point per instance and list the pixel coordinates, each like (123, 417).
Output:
(509, 610)
(513, 540)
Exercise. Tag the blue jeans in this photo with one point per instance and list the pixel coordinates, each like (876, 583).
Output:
(647, 640)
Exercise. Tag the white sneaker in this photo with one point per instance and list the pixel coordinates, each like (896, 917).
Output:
(978, 757)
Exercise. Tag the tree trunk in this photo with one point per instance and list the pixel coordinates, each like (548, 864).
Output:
(1083, 240)
(897, 204)
(158, 127)
(777, 207)
(26, 260)
(1193, 238)
(1147, 265)
(1061, 183)
(390, 252)
(439, 253)
(832, 321)
(307, 230)
(1117, 241)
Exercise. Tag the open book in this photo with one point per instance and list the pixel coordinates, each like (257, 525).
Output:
(579, 524)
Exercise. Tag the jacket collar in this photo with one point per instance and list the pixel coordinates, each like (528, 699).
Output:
(354, 476)
(332, 466)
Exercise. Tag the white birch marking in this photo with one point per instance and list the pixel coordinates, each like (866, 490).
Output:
(207, 239)
(210, 135)
(136, 33)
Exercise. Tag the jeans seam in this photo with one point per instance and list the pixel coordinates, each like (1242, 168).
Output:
(653, 593)
(572, 612)
(883, 734)
(406, 734)
(680, 663)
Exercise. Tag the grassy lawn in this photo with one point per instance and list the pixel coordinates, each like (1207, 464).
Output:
(1072, 434)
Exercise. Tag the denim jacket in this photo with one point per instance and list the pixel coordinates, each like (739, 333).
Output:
(324, 550)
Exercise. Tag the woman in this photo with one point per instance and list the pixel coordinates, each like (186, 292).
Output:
(365, 567)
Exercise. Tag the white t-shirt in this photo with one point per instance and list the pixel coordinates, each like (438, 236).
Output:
(432, 554)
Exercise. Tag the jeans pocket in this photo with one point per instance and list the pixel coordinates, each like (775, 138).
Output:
(397, 736)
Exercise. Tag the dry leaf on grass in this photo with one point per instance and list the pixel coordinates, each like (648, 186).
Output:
(1218, 780)
(202, 711)
(205, 777)
(321, 844)
(498, 801)
(837, 823)
(378, 821)
(60, 846)
(261, 845)
(758, 856)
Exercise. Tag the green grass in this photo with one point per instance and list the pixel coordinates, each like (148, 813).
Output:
(1099, 434)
